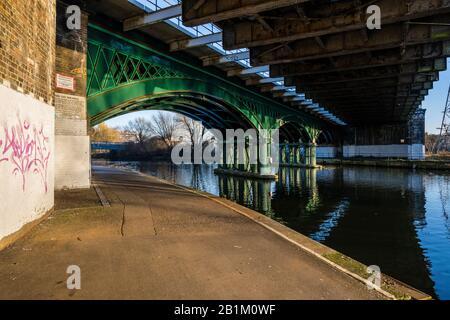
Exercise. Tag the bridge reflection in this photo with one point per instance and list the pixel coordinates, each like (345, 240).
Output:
(370, 215)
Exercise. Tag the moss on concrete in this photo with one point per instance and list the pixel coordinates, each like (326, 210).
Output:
(387, 284)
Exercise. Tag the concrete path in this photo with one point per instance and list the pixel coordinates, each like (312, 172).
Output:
(158, 241)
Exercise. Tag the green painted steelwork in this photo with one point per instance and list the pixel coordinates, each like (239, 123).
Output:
(126, 76)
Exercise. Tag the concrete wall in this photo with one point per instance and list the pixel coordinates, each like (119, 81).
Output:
(413, 152)
(326, 152)
(26, 160)
(400, 140)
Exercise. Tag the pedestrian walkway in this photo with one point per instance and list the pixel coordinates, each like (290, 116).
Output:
(159, 241)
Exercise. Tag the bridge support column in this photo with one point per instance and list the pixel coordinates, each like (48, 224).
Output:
(72, 164)
(264, 155)
(307, 154)
(283, 153)
(291, 154)
(253, 149)
(312, 155)
(298, 158)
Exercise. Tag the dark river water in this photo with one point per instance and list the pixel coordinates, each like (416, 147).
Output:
(394, 218)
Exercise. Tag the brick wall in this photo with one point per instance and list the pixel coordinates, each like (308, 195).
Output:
(72, 164)
(71, 52)
(27, 46)
(71, 61)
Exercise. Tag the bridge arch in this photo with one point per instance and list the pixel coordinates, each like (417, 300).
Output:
(213, 112)
(125, 76)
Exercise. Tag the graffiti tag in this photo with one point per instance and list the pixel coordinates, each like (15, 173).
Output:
(26, 148)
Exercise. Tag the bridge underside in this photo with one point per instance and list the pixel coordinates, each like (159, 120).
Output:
(55, 82)
(326, 51)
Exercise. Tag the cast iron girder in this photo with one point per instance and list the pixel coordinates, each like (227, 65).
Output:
(390, 36)
(367, 86)
(197, 12)
(403, 79)
(426, 66)
(290, 27)
(360, 61)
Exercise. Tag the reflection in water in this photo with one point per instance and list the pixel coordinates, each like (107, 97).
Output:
(393, 218)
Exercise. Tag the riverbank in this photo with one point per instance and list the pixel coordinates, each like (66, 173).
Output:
(161, 241)
(390, 163)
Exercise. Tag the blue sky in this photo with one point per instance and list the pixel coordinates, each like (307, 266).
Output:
(434, 103)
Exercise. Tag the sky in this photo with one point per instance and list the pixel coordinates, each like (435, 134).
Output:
(434, 103)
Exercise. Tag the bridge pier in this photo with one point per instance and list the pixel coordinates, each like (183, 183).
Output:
(247, 158)
(72, 141)
(298, 155)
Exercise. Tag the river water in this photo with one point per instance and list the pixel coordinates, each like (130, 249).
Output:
(394, 218)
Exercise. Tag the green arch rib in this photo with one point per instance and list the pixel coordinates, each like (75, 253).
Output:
(124, 73)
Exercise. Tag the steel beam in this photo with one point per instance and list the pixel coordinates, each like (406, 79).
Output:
(261, 81)
(389, 37)
(358, 83)
(340, 18)
(215, 60)
(439, 50)
(195, 42)
(219, 10)
(247, 71)
(365, 85)
(422, 67)
(151, 18)
(276, 88)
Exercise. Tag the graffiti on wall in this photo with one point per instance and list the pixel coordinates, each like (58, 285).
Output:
(25, 148)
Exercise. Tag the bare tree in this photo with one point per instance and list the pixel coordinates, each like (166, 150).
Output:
(140, 129)
(164, 127)
(195, 130)
(432, 143)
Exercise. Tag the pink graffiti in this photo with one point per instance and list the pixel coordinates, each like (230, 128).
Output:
(27, 150)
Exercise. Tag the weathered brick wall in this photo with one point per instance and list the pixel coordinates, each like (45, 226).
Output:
(27, 46)
(71, 61)
(71, 128)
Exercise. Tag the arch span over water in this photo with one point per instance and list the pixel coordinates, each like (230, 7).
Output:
(126, 76)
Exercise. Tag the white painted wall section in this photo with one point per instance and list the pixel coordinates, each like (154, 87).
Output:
(72, 162)
(26, 160)
(324, 152)
(412, 152)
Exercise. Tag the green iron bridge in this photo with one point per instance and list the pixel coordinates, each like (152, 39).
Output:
(125, 75)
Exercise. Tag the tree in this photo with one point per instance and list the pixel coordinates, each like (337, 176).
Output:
(194, 129)
(104, 133)
(199, 137)
(163, 126)
(140, 129)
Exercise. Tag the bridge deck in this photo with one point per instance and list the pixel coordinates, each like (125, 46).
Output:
(159, 241)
